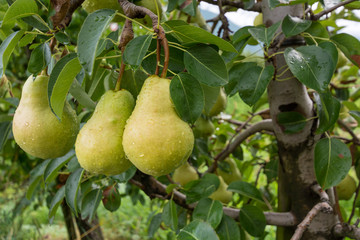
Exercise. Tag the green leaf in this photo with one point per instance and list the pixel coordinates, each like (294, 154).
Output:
(205, 64)
(5, 128)
(202, 188)
(7, 47)
(190, 8)
(19, 9)
(312, 65)
(89, 37)
(210, 95)
(253, 82)
(246, 189)
(187, 96)
(252, 219)
(81, 96)
(90, 203)
(125, 176)
(228, 229)
(316, 30)
(169, 215)
(331, 50)
(133, 81)
(332, 162)
(354, 114)
(292, 26)
(349, 45)
(72, 188)
(209, 210)
(291, 122)
(235, 74)
(136, 50)
(197, 230)
(36, 175)
(55, 202)
(61, 78)
(55, 165)
(328, 109)
(39, 59)
(111, 199)
(154, 224)
(263, 34)
(190, 35)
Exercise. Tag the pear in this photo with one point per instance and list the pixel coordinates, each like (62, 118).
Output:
(219, 105)
(203, 127)
(221, 193)
(35, 127)
(184, 174)
(155, 139)
(98, 146)
(346, 188)
(258, 20)
(233, 174)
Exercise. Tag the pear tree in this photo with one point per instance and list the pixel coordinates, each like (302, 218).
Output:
(145, 99)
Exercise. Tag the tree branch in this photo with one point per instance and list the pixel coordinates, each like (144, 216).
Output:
(237, 4)
(155, 189)
(340, 4)
(346, 230)
(322, 206)
(257, 127)
(322, 194)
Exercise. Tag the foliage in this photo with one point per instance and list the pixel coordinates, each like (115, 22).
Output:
(83, 61)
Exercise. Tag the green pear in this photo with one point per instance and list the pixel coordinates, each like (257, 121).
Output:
(35, 127)
(155, 139)
(98, 146)
(221, 193)
(233, 174)
(346, 188)
(184, 174)
(220, 104)
(203, 127)
(258, 20)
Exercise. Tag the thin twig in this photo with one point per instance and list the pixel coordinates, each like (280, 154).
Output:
(354, 204)
(322, 206)
(349, 130)
(326, 11)
(257, 127)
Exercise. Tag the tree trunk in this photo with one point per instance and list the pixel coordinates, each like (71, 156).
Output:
(89, 230)
(296, 167)
(71, 228)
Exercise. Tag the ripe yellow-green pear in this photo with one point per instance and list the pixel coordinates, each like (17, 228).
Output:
(233, 174)
(184, 174)
(221, 193)
(155, 139)
(98, 146)
(220, 104)
(346, 188)
(35, 127)
(258, 19)
(203, 127)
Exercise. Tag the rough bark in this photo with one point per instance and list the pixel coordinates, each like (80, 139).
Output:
(296, 168)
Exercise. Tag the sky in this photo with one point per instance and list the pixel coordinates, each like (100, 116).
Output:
(243, 18)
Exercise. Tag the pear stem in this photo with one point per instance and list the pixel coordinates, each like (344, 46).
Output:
(118, 82)
(158, 55)
(165, 45)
